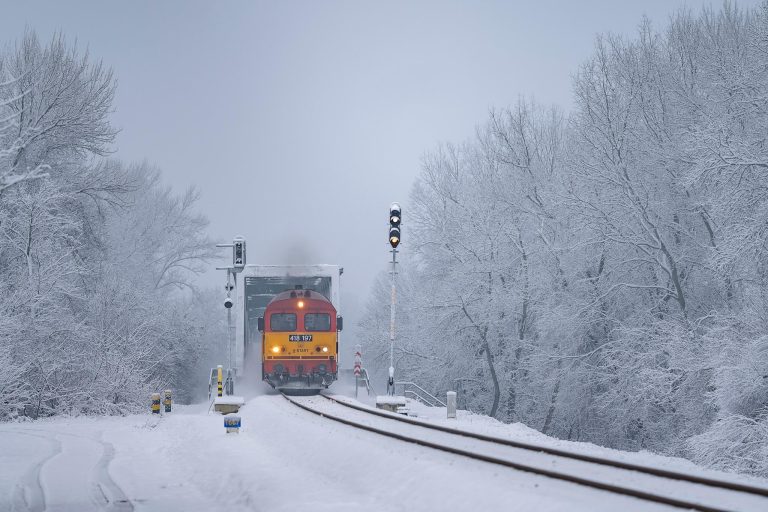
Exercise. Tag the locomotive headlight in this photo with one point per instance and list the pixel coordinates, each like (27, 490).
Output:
(275, 349)
(300, 304)
(325, 349)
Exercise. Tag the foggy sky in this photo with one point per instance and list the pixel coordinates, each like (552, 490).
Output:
(299, 122)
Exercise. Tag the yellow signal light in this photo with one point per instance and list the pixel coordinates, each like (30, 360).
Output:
(394, 237)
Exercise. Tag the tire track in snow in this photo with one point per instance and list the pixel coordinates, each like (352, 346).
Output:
(102, 480)
(28, 495)
(104, 492)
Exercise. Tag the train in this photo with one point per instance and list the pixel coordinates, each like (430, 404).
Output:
(300, 341)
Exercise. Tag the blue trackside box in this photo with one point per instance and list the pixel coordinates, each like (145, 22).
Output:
(231, 421)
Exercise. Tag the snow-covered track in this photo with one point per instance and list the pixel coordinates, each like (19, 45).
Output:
(666, 473)
(656, 485)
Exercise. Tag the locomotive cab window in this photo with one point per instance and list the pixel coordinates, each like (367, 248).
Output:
(282, 322)
(317, 322)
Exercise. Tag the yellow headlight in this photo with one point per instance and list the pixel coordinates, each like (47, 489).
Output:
(301, 304)
(275, 349)
(325, 349)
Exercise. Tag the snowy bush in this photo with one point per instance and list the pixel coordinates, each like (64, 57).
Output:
(734, 443)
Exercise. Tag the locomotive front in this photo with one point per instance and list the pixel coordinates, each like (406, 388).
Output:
(300, 342)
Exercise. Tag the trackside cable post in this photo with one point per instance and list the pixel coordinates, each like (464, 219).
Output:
(451, 404)
(155, 403)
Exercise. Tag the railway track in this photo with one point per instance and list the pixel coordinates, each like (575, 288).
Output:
(666, 487)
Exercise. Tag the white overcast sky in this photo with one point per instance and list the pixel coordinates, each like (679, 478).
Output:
(300, 122)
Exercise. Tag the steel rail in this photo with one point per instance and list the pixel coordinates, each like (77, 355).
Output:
(665, 473)
(616, 489)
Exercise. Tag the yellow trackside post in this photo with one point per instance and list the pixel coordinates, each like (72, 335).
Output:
(167, 401)
(219, 375)
(155, 403)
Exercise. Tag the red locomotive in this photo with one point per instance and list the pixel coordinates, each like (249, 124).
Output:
(300, 342)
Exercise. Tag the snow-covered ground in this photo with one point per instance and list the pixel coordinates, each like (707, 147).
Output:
(283, 459)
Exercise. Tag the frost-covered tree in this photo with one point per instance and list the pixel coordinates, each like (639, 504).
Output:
(94, 255)
(602, 276)
(54, 109)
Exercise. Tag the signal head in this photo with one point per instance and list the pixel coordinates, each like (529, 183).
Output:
(238, 253)
(394, 215)
(394, 237)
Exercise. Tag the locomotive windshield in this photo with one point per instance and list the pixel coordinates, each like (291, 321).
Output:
(260, 290)
(282, 322)
(317, 322)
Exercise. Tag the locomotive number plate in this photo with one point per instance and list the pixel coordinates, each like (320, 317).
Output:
(299, 337)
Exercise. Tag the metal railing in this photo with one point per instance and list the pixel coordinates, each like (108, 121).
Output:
(365, 380)
(368, 384)
(413, 390)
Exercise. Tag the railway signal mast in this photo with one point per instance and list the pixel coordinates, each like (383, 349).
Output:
(395, 218)
(238, 264)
